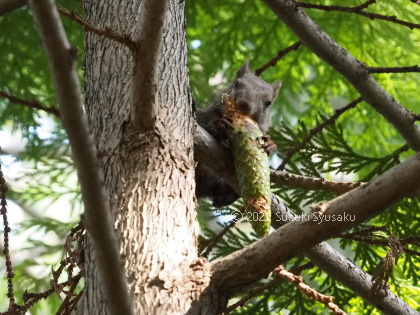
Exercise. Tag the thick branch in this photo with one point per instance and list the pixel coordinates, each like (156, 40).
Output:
(210, 152)
(351, 68)
(257, 260)
(61, 57)
(148, 38)
(7, 6)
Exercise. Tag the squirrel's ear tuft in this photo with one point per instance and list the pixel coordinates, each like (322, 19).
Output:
(242, 70)
(276, 89)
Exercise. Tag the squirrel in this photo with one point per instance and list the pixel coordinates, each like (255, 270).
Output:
(254, 97)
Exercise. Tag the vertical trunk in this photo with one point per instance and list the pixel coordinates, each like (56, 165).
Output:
(150, 176)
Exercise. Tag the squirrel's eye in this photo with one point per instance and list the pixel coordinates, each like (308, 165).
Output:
(267, 103)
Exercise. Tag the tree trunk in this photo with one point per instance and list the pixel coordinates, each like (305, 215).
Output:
(149, 176)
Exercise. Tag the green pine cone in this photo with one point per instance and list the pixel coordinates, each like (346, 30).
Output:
(252, 169)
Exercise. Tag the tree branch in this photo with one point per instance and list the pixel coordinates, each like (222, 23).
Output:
(211, 153)
(358, 10)
(351, 68)
(414, 68)
(30, 104)
(310, 183)
(108, 33)
(266, 286)
(279, 56)
(260, 258)
(7, 6)
(314, 131)
(209, 244)
(148, 38)
(364, 5)
(61, 57)
(297, 281)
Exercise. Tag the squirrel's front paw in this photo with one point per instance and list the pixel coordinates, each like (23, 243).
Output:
(269, 146)
(226, 122)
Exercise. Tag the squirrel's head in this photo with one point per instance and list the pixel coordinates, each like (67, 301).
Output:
(253, 96)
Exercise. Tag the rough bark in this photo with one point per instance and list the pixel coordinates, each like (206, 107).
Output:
(149, 176)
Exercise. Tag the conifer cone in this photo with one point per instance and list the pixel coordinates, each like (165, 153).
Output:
(252, 167)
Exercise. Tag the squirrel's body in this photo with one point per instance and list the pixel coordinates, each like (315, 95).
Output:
(254, 97)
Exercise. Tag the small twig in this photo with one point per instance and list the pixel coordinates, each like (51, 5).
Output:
(416, 1)
(269, 285)
(358, 11)
(214, 240)
(364, 5)
(397, 247)
(307, 290)
(252, 293)
(314, 131)
(297, 270)
(30, 299)
(279, 56)
(73, 302)
(312, 183)
(335, 7)
(371, 236)
(67, 303)
(31, 104)
(398, 151)
(381, 276)
(108, 33)
(9, 267)
(414, 68)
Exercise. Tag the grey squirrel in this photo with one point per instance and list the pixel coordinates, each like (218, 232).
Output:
(254, 97)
